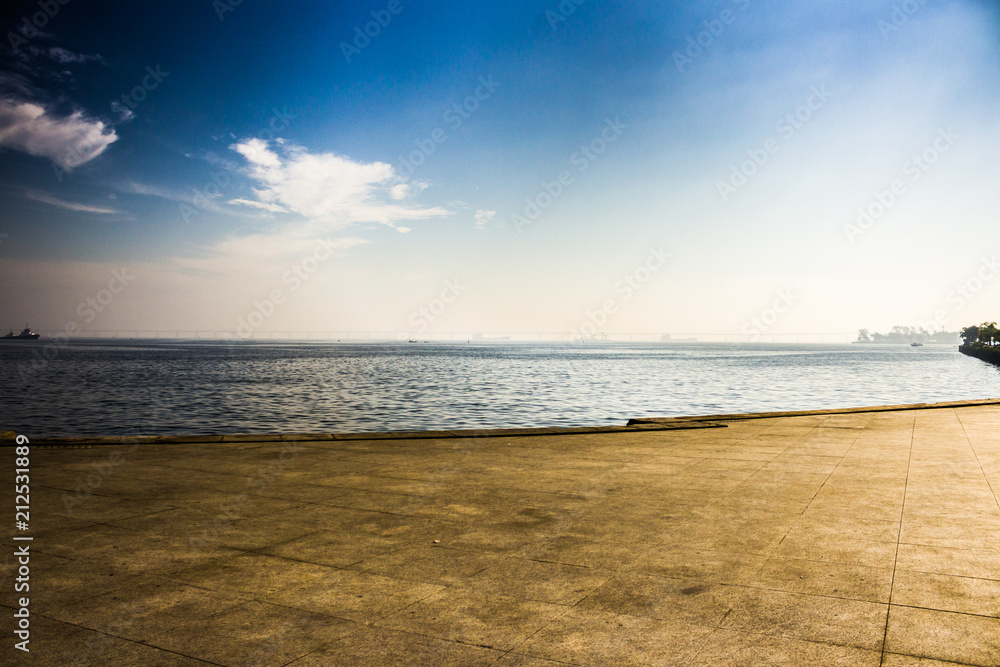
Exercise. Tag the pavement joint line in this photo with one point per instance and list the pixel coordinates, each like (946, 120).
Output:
(976, 454)
(120, 637)
(944, 611)
(899, 538)
(569, 609)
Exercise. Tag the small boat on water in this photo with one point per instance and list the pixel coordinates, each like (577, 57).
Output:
(916, 344)
(27, 334)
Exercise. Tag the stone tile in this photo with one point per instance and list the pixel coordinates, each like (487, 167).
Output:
(810, 618)
(54, 642)
(725, 567)
(830, 579)
(831, 549)
(495, 537)
(608, 552)
(52, 523)
(302, 492)
(777, 503)
(90, 540)
(380, 647)
(861, 506)
(491, 621)
(947, 636)
(764, 489)
(256, 533)
(714, 486)
(981, 564)
(943, 533)
(692, 601)
(356, 596)
(221, 502)
(145, 612)
(771, 476)
(428, 564)
(895, 660)
(339, 549)
(206, 530)
(250, 574)
(103, 509)
(727, 648)
(731, 537)
(255, 633)
(126, 551)
(533, 580)
(365, 524)
(130, 653)
(517, 660)
(844, 527)
(385, 484)
(56, 582)
(201, 479)
(378, 501)
(583, 637)
(804, 468)
(947, 593)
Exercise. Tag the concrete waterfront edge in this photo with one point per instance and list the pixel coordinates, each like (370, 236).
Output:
(7, 437)
(806, 413)
(990, 355)
(632, 426)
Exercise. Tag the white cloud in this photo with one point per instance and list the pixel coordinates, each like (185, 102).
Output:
(274, 208)
(68, 205)
(125, 115)
(65, 57)
(331, 190)
(68, 141)
(483, 218)
(135, 188)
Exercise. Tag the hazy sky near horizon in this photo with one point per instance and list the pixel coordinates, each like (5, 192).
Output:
(523, 166)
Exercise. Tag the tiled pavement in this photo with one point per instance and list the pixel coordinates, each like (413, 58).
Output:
(860, 539)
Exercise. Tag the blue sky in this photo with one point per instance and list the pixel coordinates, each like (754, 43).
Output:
(264, 152)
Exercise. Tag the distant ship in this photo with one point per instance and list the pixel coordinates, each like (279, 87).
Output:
(916, 344)
(27, 334)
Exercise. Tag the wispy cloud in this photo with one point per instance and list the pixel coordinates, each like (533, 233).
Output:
(13, 85)
(332, 191)
(195, 198)
(136, 188)
(273, 208)
(67, 57)
(69, 141)
(68, 205)
(257, 255)
(483, 218)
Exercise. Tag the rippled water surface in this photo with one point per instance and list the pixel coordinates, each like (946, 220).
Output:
(159, 387)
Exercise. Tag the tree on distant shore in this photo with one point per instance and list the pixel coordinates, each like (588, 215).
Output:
(988, 332)
(970, 335)
(903, 334)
